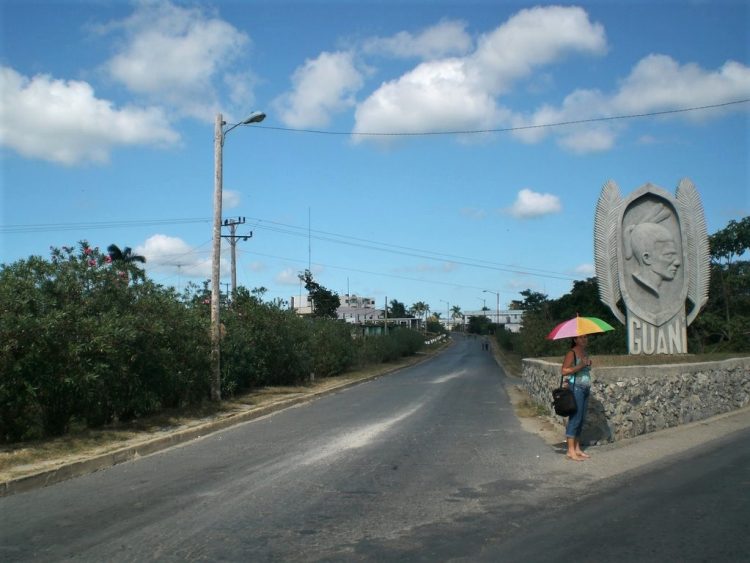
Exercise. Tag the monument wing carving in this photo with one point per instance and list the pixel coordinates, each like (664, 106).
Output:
(606, 247)
(697, 253)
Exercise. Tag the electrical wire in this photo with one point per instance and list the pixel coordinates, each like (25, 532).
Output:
(45, 227)
(504, 129)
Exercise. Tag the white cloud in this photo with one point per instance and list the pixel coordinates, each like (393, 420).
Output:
(531, 204)
(587, 140)
(177, 55)
(532, 38)
(435, 96)
(656, 83)
(586, 270)
(448, 37)
(320, 88)
(230, 199)
(287, 276)
(460, 93)
(171, 254)
(63, 121)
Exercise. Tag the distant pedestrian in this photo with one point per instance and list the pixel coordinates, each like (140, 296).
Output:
(576, 371)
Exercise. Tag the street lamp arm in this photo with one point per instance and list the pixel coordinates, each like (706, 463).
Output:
(255, 117)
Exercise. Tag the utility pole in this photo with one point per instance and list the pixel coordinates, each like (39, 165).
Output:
(220, 133)
(385, 325)
(233, 238)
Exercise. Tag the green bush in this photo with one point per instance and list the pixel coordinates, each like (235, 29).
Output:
(83, 339)
(398, 343)
(86, 340)
(262, 345)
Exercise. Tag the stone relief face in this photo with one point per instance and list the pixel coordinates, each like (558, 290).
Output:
(652, 252)
(651, 261)
(665, 261)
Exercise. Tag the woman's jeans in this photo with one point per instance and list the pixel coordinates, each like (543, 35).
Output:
(575, 422)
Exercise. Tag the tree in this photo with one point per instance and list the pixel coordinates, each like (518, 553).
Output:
(724, 323)
(125, 255)
(534, 301)
(421, 309)
(730, 242)
(478, 324)
(126, 260)
(397, 310)
(325, 302)
(456, 312)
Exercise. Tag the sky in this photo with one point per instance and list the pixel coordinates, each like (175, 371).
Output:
(412, 150)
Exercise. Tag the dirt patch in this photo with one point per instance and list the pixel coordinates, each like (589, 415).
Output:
(531, 418)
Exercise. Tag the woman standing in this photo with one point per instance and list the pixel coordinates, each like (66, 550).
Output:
(576, 371)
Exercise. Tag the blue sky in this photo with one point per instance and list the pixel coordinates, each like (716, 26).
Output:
(107, 114)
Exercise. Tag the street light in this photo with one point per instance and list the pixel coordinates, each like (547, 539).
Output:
(497, 305)
(448, 313)
(219, 135)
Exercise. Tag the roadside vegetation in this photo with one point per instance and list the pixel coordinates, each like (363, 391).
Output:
(87, 340)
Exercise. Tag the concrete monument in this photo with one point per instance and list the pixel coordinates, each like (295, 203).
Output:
(651, 252)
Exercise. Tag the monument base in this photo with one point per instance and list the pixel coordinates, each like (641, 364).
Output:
(648, 339)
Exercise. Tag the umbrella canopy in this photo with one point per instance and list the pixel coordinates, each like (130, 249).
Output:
(578, 326)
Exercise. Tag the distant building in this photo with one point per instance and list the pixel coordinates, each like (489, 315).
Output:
(512, 319)
(301, 304)
(360, 315)
(356, 310)
(357, 301)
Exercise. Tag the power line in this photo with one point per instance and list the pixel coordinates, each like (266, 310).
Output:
(368, 272)
(45, 227)
(506, 129)
(294, 230)
(415, 252)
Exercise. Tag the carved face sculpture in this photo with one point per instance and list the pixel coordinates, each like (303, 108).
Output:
(655, 251)
(664, 260)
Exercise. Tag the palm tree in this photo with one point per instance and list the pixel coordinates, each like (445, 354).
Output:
(456, 312)
(126, 260)
(125, 255)
(420, 308)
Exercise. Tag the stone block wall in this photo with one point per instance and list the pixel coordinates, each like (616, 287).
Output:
(632, 400)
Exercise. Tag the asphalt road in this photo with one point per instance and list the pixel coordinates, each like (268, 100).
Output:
(429, 463)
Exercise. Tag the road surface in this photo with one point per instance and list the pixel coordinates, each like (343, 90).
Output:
(428, 464)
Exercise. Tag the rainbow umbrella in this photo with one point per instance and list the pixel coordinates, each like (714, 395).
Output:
(578, 326)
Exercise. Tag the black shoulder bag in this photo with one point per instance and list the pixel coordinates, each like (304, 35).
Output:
(563, 400)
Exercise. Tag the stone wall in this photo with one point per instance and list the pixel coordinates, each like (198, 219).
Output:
(633, 400)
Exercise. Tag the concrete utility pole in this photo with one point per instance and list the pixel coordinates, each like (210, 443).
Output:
(233, 238)
(220, 134)
(385, 325)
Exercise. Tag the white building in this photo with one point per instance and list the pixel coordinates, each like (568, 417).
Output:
(360, 315)
(357, 301)
(511, 318)
(301, 304)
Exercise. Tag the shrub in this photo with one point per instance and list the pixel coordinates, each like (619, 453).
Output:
(84, 339)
